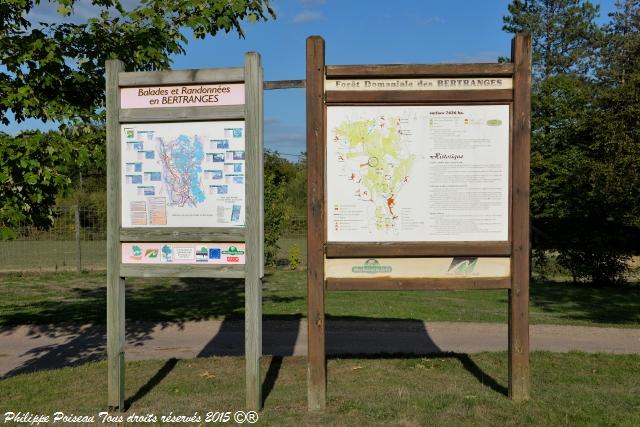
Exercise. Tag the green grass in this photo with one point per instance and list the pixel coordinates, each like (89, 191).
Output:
(80, 298)
(51, 255)
(572, 389)
(61, 255)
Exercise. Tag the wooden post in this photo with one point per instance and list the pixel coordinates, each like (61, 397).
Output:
(115, 283)
(316, 362)
(78, 243)
(519, 292)
(254, 245)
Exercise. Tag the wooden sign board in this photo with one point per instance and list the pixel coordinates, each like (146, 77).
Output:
(185, 191)
(418, 179)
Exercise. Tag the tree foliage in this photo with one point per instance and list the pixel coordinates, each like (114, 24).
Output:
(585, 173)
(284, 198)
(620, 48)
(36, 167)
(564, 34)
(55, 71)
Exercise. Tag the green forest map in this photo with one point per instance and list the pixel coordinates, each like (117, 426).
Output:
(382, 165)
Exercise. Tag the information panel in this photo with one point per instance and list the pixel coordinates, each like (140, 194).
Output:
(417, 173)
(183, 174)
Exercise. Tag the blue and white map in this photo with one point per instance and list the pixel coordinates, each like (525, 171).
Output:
(181, 160)
(183, 174)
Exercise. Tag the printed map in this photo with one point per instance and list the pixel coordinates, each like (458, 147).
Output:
(183, 174)
(417, 173)
(182, 167)
(375, 155)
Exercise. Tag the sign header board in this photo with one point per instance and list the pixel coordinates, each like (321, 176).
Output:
(443, 83)
(204, 95)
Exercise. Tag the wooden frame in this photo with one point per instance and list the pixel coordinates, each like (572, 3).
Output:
(251, 234)
(516, 247)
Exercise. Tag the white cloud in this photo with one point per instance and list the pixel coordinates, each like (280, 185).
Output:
(283, 137)
(307, 16)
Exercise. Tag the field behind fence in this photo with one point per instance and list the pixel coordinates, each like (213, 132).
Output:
(77, 241)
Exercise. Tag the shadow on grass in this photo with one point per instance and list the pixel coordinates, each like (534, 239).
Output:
(176, 301)
(587, 302)
(179, 300)
(465, 360)
(279, 338)
(155, 300)
(153, 381)
(82, 336)
(271, 377)
(394, 339)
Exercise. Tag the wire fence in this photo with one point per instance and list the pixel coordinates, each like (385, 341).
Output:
(77, 241)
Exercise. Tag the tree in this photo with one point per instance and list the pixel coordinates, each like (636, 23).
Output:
(284, 198)
(564, 34)
(34, 168)
(274, 216)
(583, 175)
(620, 49)
(54, 71)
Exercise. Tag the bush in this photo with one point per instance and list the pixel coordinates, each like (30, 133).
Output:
(274, 216)
(605, 268)
(294, 257)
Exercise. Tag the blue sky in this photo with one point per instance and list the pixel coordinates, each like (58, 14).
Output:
(355, 32)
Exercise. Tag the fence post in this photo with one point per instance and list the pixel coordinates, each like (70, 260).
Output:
(78, 243)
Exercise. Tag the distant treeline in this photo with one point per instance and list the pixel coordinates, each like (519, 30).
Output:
(585, 159)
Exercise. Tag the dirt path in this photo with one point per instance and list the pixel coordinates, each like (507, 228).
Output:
(29, 348)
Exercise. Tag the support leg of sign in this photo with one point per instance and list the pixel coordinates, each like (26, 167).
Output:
(254, 235)
(115, 341)
(115, 283)
(519, 292)
(316, 362)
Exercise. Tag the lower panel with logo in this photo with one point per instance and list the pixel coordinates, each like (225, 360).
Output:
(183, 253)
(418, 267)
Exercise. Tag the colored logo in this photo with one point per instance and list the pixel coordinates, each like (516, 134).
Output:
(136, 252)
(202, 255)
(214, 253)
(371, 266)
(463, 265)
(167, 253)
(151, 253)
(130, 133)
(232, 250)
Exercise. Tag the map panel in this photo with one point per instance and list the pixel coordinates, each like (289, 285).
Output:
(183, 174)
(417, 173)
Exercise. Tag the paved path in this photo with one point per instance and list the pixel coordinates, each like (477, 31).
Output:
(29, 348)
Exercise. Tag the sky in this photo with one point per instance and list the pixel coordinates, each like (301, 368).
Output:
(355, 32)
